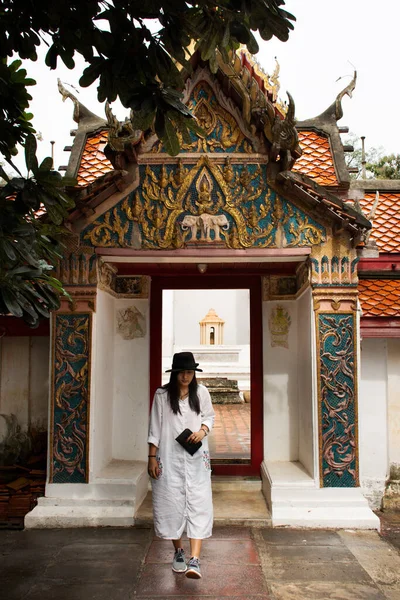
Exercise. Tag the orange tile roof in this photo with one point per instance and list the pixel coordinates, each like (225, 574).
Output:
(386, 224)
(94, 164)
(380, 297)
(316, 161)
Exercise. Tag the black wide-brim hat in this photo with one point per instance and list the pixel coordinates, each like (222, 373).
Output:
(183, 361)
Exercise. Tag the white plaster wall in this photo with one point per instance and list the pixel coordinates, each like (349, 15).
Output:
(14, 397)
(102, 383)
(131, 390)
(191, 306)
(24, 380)
(393, 350)
(372, 416)
(281, 432)
(305, 382)
(39, 381)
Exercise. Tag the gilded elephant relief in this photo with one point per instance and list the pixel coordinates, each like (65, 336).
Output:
(209, 226)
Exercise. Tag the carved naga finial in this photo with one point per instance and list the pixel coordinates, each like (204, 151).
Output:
(348, 91)
(281, 133)
(274, 78)
(120, 135)
(285, 139)
(81, 115)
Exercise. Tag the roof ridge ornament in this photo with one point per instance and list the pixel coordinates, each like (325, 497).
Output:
(122, 138)
(347, 91)
(281, 133)
(81, 115)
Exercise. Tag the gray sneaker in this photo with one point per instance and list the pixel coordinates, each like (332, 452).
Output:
(179, 562)
(193, 569)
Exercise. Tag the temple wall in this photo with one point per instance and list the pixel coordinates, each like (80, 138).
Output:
(131, 388)
(305, 380)
(102, 404)
(281, 433)
(373, 414)
(393, 369)
(24, 394)
(24, 383)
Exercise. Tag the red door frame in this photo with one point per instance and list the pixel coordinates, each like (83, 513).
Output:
(190, 282)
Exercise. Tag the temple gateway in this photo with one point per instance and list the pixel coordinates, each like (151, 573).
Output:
(260, 203)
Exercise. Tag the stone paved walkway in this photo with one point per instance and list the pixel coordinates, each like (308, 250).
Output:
(237, 563)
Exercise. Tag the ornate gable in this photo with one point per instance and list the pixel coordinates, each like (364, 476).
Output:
(204, 204)
(219, 118)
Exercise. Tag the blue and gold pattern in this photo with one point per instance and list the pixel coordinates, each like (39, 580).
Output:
(222, 132)
(70, 414)
(337, 398)
(206, 203)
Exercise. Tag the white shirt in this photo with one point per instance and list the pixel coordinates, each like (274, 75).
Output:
(182, 497)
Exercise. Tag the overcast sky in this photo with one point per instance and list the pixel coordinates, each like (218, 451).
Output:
(330, 36)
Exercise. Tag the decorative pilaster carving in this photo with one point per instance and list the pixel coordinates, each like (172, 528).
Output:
(334, 263)
(69, 437)
(122, 286)
(78, 268)
(336, 331)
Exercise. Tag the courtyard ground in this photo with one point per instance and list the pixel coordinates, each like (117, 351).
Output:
(237, 563)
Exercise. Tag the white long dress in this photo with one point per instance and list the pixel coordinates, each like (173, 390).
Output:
(182, 497)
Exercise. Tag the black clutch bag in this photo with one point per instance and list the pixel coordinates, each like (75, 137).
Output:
(189, 447)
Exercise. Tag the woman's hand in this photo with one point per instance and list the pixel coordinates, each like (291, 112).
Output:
(196, 436)
(152, 468)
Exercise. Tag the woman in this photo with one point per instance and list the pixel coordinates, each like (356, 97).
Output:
(181, 483)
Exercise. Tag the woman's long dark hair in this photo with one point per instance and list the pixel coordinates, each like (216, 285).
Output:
(173, 394)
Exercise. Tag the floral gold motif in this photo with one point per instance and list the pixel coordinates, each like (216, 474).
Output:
(227, 204)
(221, 130)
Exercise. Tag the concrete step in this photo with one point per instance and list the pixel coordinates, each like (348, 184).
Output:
(225, 483)
(231, 507)
(53, 513)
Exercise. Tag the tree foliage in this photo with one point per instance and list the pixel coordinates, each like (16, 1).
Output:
(29, 245)
(385, 167)
(127, 59)
(354, 159)
(378, 165)
(135, 51)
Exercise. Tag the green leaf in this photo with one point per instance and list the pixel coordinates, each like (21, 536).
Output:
(51, 57)
(11, 302)
(91, 73)
(142, 120)
(170, 138)
(46, 164)
(26, 271)
(30, 153)
(9, 250)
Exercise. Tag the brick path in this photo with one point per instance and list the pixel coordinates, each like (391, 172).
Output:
(230, 437)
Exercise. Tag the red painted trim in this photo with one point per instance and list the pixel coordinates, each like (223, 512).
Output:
(14, 327)
(380, 327)
(213, 269)
(155, 336)
(241, 281)
(385, 262)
